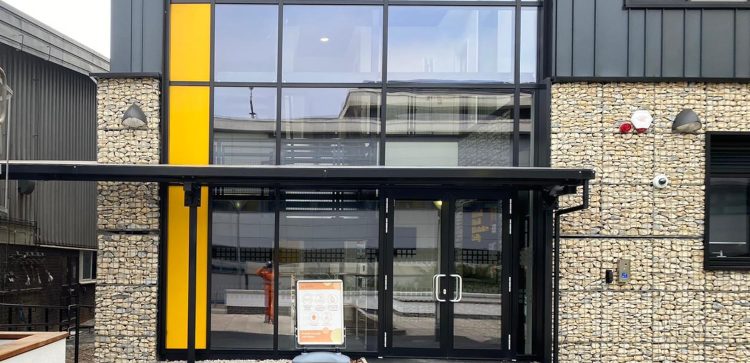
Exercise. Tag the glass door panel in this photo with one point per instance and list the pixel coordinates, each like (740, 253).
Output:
(416, 311)
(477, 263)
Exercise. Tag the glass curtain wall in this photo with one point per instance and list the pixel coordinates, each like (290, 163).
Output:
(427, 83)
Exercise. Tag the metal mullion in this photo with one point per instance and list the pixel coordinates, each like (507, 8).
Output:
(245, 84)
(516, 82)
(448, 85)
(329, 85)
(384, 85)
(276, 258)
(279, 80)
(334, 2)
(208, 206)
(274, 2)
(461, 3)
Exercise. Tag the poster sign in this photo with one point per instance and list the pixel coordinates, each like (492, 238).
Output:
(320, 312)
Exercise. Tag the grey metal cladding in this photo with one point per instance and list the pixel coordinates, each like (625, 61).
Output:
(611, 37)
(27, 34)
(137, 36)
(604, 39)
(54, 117)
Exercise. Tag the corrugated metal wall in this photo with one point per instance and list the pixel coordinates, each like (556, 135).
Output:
(53, 118)
(602, 38)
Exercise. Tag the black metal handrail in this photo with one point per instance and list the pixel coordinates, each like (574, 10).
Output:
(68, 319)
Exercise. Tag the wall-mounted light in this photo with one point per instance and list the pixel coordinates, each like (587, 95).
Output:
(686, 121)
(134, 117)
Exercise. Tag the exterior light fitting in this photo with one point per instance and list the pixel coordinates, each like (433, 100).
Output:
(134, 117)
(438, 204)
(642, 120)
(686, 121)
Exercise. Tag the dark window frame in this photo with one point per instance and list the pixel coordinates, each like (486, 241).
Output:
(709, 262)
(683, 4)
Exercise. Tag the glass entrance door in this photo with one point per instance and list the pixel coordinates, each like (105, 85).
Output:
(447, 284)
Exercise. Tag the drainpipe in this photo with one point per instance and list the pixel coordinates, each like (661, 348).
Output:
(556, 282)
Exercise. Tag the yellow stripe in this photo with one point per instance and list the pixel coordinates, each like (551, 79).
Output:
(188, 125)
(177, 270)
(190, 42)
(188, 144)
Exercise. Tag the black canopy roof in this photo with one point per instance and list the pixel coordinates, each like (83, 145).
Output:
(469, 177)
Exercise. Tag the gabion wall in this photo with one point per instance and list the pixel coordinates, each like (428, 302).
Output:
(672, 310)
(128, 226)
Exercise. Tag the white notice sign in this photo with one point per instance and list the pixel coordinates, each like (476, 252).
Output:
(320, 312)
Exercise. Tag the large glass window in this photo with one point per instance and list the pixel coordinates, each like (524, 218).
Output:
(728, 189)
(244, 126)
(242, 279)
(449, 128)
(330, 126)
(331, 235)
(729, 231)
(246, 39)
(333, 43)
(450, 44)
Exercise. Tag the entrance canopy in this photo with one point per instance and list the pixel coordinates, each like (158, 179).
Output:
(352, 176)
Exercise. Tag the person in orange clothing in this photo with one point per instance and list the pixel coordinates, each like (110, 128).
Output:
(266, 273)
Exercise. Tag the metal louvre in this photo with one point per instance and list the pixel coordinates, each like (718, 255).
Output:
(729, 154)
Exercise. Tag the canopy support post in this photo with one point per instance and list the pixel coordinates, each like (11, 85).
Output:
(193, 201)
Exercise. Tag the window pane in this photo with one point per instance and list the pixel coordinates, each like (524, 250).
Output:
(729, 229)
(333, 44)
(86, 269)
(528, 44)
(330, 126)
(450, 44)
(525, 129)
(246, 42)
(245, 126)
(331, 235)
(242, 295)
(449, 128)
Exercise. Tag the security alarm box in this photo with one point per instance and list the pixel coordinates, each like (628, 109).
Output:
(623, 270)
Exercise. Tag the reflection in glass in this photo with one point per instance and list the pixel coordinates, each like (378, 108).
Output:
(528, 44)
(450, 44)
(246, 39)
(449, 128)
(330, 126)
(331, 235)
(241, 247)
(729, 227)
(477, 317)
(332, 43)
(416, 257)
(244, 126)
(525, 129)
(525, 302)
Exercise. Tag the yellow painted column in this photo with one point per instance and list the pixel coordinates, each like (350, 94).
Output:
(187, 144)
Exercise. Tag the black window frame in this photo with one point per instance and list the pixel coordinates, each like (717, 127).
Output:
(720, 263)
(685, 4)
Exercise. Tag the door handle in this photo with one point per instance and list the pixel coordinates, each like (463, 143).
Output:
(459, 288)
(436, 286)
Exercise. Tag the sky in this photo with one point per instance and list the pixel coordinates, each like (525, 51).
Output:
(85, 21)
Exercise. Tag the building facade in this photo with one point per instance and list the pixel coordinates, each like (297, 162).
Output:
(48, 253)
(652, 270)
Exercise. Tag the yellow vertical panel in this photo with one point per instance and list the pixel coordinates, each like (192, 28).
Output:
(190, 42)
(188, 125)
(177, 270)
